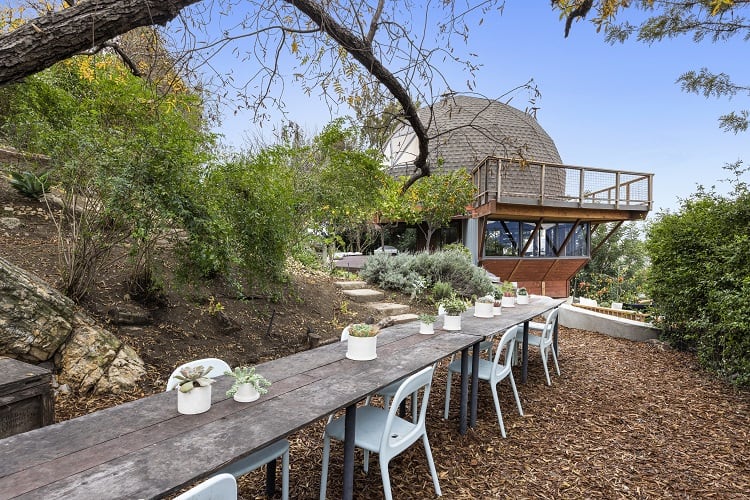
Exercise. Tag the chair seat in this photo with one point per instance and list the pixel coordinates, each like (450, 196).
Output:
(257, 459)
(369, 429)
(533, 339)
(534, 325)
(484, 371)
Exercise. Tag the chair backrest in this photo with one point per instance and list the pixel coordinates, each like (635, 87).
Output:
(549, 325)
(420, 381)
(507, 342)
(218, 487)
(218, 367)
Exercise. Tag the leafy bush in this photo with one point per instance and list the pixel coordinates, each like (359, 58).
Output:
(401, 272)
(29, 184)
(441, 290)
(700, 263)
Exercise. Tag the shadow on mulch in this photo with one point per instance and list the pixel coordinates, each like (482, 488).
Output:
(624, 420)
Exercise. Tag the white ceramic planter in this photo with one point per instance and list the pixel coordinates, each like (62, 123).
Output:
(451, 322)
(441, 310)
(426, 328)
(483, 310)
(508, 301)
(362, 348)
(246, 393)
(497, 310)
(522, 299)
(197, 400)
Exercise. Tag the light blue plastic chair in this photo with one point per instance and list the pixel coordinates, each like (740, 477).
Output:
(384, 432)
(491, 371)
(218, 487)
(543, 341)
(267, 455)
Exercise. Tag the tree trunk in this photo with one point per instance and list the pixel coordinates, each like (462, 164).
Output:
(43, 41)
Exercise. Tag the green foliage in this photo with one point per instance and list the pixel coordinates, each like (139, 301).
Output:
(618, 270)
(29, 184)
(441, 290)
(454, 305)
(126, 158)
(401, 272)
(247, 375)
(700, 263)
(363, 330)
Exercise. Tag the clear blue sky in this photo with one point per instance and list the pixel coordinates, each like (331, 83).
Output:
(615, 107)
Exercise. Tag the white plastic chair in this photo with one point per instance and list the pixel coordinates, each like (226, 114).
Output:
(218, 487)
(267, 455)
(544, 340)
(492, 372)
(384, 432)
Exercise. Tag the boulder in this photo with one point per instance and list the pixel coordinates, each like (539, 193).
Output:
(38, 324)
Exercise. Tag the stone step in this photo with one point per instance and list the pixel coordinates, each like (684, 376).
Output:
(350, 285)
(364, 295)
(389, 308)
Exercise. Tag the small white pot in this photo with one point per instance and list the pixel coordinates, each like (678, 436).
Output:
(197, 400)
(508, 301)
(483, 310)
(522, 299)
(426, 328)
(451, 322)
(497, 310)
(246, 393)
(362, 348)
(441, 310)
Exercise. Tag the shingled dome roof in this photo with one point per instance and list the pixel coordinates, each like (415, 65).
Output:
(465, 130)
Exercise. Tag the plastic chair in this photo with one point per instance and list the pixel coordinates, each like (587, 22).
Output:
(544, 340)
(492, 372)
(218, 487)
(267, 455)
(384, 432)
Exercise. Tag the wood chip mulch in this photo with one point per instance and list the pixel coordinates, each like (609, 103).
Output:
(623, 420)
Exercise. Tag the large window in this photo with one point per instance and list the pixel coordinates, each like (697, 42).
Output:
(508, 239)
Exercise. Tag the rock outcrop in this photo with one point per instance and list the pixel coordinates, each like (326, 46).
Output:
(38, 324)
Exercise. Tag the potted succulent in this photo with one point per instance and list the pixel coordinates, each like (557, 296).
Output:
(497, 309)
(194, 390)
(453, 306)
(362, 341)
(483, 306)
(509, 294)
(248, 385)
(427, 324)
(522, 296)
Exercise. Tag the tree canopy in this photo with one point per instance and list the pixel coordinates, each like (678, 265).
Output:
(714, 20)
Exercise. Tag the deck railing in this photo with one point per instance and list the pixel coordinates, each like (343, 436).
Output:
(532, 183)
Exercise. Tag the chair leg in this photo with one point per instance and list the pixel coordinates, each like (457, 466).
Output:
(497, 409)
(543, 353)
(431, 464)
(386, 478)
(285, 476)
(324, 471)
(447, 394)
(515, 393)
(554, 358)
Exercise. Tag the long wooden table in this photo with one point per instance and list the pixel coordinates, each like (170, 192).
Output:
(145, 449)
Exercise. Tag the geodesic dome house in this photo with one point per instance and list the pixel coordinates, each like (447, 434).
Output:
(532, 216)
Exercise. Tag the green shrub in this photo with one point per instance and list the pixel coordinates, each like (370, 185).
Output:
(700, 263)
(441, 290)
(404, 272)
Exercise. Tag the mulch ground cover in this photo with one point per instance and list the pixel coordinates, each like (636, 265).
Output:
(623, 420)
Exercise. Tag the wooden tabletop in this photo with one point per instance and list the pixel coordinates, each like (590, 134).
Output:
(145, 449)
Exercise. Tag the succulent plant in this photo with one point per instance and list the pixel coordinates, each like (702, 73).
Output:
(363, 330)
(247, 375)
(487, 299)
(427, 318)
(453, 306)
(195, 376)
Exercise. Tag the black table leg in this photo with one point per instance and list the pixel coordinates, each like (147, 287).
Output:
(474, 385)
(271, 478)
(464, 390)
(525, 358)
(349, 426)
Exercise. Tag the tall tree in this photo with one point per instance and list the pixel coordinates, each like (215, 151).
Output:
(716, 20)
